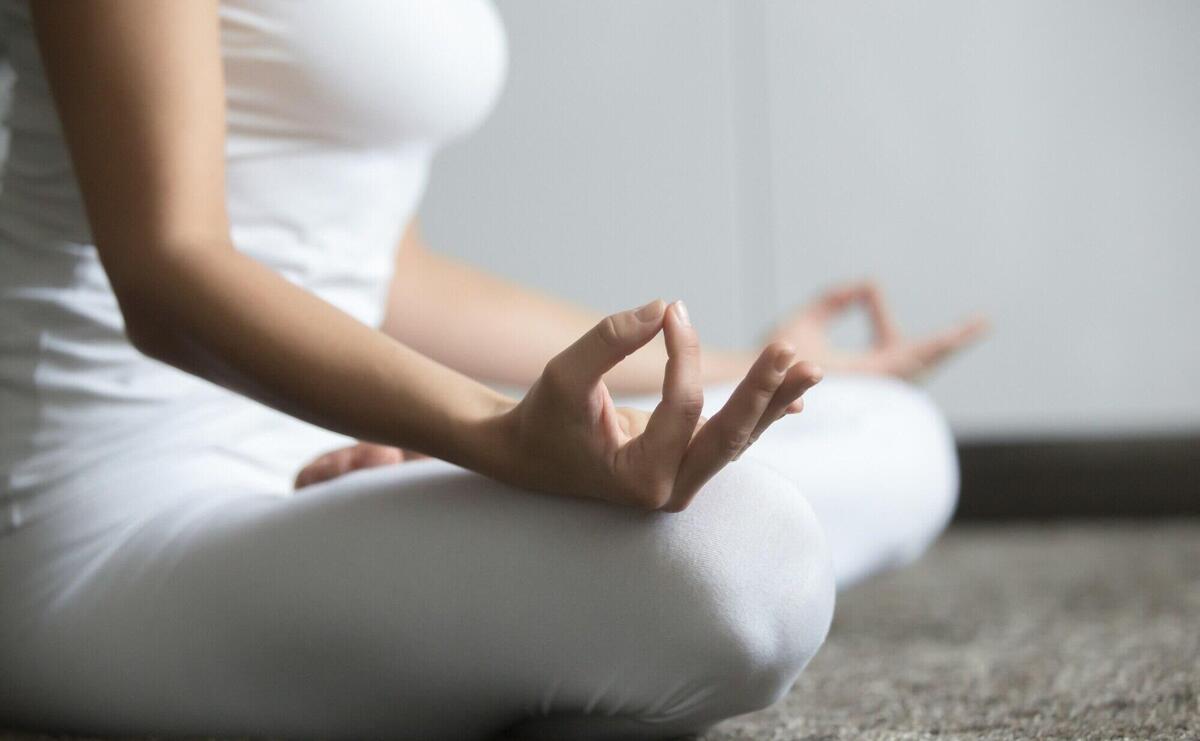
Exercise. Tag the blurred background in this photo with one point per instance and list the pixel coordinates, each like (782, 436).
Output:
(1036, 161)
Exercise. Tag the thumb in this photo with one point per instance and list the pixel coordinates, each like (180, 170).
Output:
(581, 366)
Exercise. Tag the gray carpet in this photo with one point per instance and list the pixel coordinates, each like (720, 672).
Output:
(1014, 632)
(1017, 632)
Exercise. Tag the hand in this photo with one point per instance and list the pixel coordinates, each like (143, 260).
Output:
(344, 460)
(567, 436)
(891, 353)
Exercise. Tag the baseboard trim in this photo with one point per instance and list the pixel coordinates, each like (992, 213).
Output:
(1145, 476)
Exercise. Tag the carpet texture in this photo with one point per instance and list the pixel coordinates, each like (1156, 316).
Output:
(1084, 632)
(1011, 632)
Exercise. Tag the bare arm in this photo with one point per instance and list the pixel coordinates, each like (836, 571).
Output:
(140, 91)
(491, 329)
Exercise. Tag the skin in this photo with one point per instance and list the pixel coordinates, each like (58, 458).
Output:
(140, 92)
(502, 332)
(485, 337)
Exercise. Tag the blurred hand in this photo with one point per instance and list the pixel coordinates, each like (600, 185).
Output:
(890, 353)
(344, 460)
(566, 435)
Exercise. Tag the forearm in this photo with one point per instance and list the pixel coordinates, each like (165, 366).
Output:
(492, 329)
(221, 315)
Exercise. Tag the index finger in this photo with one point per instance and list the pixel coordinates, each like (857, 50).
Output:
(580, 367)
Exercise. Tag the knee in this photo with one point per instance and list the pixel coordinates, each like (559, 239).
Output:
(757, 566)
(927, 493)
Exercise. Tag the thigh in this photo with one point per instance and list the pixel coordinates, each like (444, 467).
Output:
(424, 601)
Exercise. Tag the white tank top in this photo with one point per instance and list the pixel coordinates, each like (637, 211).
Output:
(334, 110)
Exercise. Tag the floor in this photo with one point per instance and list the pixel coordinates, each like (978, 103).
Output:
(1011, 632)
(1081, 632)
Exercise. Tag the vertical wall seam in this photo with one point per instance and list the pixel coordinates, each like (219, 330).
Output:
(751, 190)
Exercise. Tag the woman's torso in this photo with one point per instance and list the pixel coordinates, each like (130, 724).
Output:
(333, 113)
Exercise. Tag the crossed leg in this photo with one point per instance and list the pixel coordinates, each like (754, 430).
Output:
(419, 601)
(424, 601)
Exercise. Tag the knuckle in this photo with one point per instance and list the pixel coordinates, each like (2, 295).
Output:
(643, 502)
(764, 384)
(780, 346)
(675, 507)
(757, 389)
(810, 370)
(734, 441)
(609, 333)
(652, 496)
(660, 497)
(689, 344)
(691, 403)
(554, 374)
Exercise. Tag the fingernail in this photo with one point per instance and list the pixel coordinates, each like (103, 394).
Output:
(650, 311)
(784, 360)
(681, 312)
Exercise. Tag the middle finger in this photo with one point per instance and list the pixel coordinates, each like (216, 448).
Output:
(726, 433)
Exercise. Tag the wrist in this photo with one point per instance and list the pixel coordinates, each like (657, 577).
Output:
(488, 436)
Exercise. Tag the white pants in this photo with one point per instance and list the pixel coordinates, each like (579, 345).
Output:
(423, 601)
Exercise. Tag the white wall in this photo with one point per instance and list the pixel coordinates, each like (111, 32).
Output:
(1036, 159)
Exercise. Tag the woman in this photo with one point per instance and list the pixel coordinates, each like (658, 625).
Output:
(199, 225)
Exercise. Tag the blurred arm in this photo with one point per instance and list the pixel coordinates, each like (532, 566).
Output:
(492, 329)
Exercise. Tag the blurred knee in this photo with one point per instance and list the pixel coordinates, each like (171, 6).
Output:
(927, 492)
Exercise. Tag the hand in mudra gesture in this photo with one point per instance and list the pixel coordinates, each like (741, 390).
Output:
(891, 353)
(587, 446)
(567, 437)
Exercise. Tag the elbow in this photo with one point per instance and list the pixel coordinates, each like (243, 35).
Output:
(148, 326)
(159, 329)
(144, 336)
(158, 292)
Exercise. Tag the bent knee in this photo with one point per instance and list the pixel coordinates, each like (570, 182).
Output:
(757, 561)
(927, 494)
